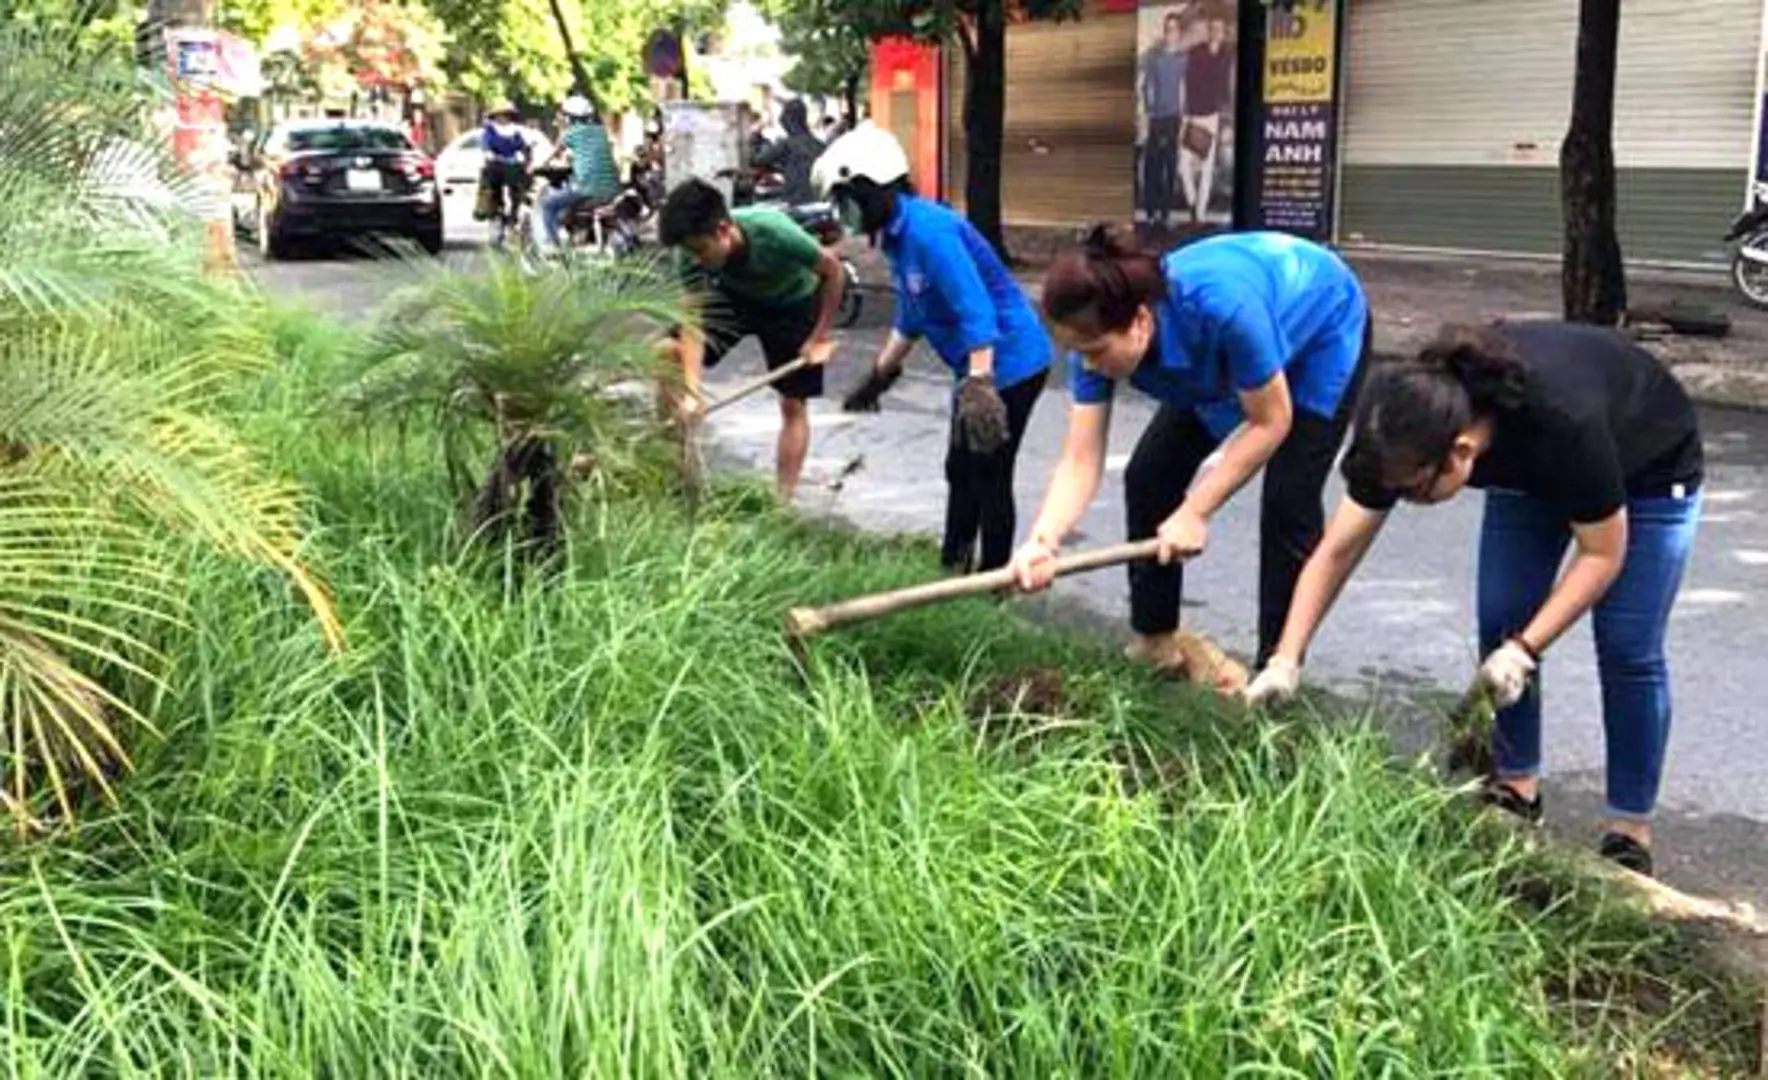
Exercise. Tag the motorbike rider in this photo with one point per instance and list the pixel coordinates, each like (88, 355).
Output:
(793, 156)
(595, 178)
(503, 180)
(952, 289)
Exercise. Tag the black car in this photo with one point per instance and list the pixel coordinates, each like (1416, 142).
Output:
(337, 178)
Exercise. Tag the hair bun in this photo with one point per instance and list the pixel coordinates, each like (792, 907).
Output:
(1102, 242)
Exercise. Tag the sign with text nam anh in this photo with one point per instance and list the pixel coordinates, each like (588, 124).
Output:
(1299, 118)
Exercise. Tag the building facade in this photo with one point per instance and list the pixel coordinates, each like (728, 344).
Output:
(1440, 120)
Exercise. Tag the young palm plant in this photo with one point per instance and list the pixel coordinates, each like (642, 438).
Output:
(531, 360)
(117, 357)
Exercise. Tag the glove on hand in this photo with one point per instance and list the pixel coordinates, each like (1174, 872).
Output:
(982, 415)
(1506, 672)
(864, 398)
(1278, 682)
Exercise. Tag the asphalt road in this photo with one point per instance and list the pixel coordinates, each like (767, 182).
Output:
(1405, 625)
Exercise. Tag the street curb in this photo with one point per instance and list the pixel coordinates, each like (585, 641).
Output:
(1718, 386)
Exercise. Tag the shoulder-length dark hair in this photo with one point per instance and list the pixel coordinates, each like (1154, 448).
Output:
(1411, 411)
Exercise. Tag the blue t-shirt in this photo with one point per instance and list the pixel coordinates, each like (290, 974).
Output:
(952, 289)
(1241, 307)
(501, 147)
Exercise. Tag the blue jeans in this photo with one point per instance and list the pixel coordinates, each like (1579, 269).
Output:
(1522, 545)
(555, 206)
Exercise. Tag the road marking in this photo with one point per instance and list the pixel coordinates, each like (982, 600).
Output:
(1711, 597)
(1751, 558)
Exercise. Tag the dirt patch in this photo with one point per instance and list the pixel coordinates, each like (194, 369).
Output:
(1034, 692)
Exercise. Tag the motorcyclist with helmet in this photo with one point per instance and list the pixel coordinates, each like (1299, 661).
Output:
(595, 176)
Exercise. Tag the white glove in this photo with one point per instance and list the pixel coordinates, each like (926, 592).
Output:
(1278, 682)
(1506, 672)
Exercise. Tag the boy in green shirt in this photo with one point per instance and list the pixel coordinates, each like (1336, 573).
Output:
(754, 272)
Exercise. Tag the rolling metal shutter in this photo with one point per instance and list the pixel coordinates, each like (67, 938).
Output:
(1454, 112)
(1068, 153)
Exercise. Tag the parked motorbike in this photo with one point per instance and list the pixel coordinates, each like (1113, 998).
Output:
(1748, 236)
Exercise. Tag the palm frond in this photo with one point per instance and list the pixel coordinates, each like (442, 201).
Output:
(119, 362)
(461, 340)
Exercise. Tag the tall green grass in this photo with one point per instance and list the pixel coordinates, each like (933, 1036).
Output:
(610, 826)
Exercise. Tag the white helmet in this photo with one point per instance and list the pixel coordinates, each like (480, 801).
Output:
(577, 107)
(867, 151)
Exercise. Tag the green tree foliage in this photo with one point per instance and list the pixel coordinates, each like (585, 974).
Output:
(832, 54)
(91, 23)
(254, 20)
(515, 48)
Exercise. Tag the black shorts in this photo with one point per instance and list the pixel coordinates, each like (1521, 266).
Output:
(783, 332)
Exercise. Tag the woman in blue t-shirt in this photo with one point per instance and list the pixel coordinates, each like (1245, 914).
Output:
(953, 292)
(1255, 344)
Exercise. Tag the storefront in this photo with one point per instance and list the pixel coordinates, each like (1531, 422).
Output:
(1068, 149)
(905, 99)
(1453, 115)
(1429, 124)
(1138, 113)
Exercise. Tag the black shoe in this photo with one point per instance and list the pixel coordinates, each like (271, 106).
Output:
(1506, 798)
(1626, 852)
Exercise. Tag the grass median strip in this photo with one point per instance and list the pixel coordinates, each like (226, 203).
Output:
(605, 824)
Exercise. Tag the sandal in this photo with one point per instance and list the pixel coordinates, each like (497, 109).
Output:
(1502, 796)
(1626, 852)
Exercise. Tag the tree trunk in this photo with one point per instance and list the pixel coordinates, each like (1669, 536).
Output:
(985, 115)
(851, 95)
(1593, 279)
(578, 72)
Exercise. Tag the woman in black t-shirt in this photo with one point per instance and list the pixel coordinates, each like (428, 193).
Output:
(1581, 437)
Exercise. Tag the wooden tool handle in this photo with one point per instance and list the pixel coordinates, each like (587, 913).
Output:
(805, 621)
(760, 383)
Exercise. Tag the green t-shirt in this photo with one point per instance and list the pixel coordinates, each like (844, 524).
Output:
(778, 265)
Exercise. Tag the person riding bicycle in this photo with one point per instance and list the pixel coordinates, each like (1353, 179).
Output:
(503, 182)
(595, 178)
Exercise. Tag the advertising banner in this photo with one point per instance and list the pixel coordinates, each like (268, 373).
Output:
(1299, 125)
(1185, 76)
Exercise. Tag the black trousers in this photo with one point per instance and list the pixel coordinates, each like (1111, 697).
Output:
(1160, 168)
(1292, 513)
(507, 183)
(980, 488)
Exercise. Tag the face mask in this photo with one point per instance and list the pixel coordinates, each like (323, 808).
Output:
(504, 128)
(865, 208)
(852, 218)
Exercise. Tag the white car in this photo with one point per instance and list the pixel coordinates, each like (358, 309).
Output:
(459, 164)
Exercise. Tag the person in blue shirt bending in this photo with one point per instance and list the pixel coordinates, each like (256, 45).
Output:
(952, 290)
(1255, 344)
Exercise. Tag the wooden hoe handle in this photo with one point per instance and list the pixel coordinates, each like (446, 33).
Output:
(803, 622)
(759, 383)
